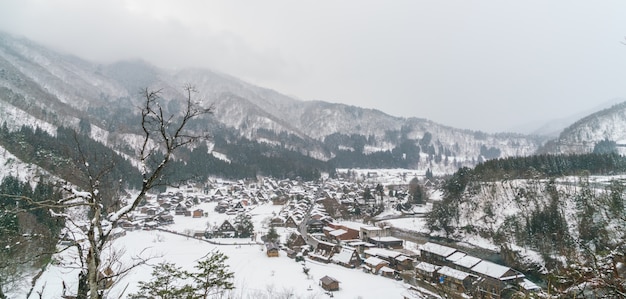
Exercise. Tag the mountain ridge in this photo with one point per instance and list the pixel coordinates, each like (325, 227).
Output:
(67, 89)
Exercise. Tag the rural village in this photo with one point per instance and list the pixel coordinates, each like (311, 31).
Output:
(331, 222)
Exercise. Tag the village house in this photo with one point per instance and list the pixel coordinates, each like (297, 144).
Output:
(315, 226)
(387, 242)
(226, 229)
(387, 272)
(295, 241)
(455, 280)
(373, 264)
(495, 278)
(352, 229)
(277, 221)
(435, 253)
(426, 271)
(271, 249)
(329, 284)
(491, 278)
(370, 231)
(291, 222)
(396, 260)
(464, 263)
(197, 213)
(165, 219)
(347, 257)
(181, 209)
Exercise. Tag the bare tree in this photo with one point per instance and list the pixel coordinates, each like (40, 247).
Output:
(163, 134)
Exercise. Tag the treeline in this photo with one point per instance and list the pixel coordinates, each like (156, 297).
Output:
(405, 155)
(68, 153)
(550, 166)
(579, 220)
(29, 233)
(247, 159)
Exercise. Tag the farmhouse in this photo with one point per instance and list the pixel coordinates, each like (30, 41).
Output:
(296, 241)
(374, 264)
(347, 257)
(226, 229)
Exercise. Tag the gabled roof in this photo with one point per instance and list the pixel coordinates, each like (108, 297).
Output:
(372, 260)
(344, 256)
(328, 280)
(271, 246)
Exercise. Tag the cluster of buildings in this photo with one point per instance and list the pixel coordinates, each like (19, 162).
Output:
(313, 232)
(458, 272)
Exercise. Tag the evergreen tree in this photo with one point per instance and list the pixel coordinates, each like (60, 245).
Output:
(211, 279)
(272, 235)
(169, 281)
(166, 278)
(243, 226)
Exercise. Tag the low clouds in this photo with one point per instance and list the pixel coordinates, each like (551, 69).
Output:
(484, 65)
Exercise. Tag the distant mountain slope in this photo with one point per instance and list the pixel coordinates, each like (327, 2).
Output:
(582, 136)
(61, 90)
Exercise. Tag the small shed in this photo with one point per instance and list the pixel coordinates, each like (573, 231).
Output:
(271, 249)
(197, 213)
(329, 284)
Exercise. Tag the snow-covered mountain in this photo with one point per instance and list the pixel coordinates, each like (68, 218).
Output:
(40, 87)
(583, 135)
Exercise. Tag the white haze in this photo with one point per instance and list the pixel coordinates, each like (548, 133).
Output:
(486, 65)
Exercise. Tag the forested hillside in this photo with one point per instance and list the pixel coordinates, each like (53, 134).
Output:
(568, 209)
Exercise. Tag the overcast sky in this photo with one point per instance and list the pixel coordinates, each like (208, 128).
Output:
(482, 65)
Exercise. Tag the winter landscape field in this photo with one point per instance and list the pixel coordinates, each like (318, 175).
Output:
(256, 274)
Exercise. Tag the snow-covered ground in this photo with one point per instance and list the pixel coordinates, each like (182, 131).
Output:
(256, 275)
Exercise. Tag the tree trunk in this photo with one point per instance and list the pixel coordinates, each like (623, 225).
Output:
(82, 286)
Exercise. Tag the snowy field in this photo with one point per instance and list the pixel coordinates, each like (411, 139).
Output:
(256, 275)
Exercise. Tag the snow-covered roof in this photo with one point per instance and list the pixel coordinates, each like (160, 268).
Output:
(427, 267)
(467, 261)
(371, 228)
(454, 273)
(382, 252)
(387, 239)
(437, 249)
(343, 256)
(529, 285)
(372, 260)
(337, 232)
(358, 243)
(456, 256)
(496, 271)
(402, 258)
(351, 225)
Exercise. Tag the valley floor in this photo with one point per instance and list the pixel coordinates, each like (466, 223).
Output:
(256, 275)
